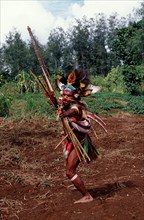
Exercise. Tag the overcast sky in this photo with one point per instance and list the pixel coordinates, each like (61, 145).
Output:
(42, 15)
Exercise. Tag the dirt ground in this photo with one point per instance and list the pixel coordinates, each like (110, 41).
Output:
(33, 185)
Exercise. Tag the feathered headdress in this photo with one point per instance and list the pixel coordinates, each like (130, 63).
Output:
(78, 82)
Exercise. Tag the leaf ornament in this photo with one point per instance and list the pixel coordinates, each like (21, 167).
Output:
(59, 77)
(86, 93)
(82, 85)
(71, 78)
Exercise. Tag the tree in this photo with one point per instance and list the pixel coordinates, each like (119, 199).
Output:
(79, 40)
(15, 54)
(113, 24)
(32, 60)
(3, 72)
(133, 77)
(140, 11)
(98, 53)
(129, 44)
(55, 48)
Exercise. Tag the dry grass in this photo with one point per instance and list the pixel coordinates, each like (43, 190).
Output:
(10, 207)
(32, 172)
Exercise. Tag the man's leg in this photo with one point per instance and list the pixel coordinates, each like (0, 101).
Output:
(72, 163)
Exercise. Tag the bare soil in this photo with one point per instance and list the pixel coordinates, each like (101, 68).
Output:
(33, 185)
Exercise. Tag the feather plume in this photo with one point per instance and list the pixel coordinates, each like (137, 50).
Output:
(79, 80)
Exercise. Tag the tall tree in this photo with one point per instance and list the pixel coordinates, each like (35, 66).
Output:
(113, 24)
(15, 54)
(98, 53)
(32, 60)
(55, 48)
(79, 39)
(129, 44)
(140, 11)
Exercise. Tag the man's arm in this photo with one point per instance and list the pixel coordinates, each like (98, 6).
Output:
(72, 112)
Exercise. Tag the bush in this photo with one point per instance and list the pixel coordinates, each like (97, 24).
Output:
(115, 81)
(9, 88)
(99, 81)
(4, 105)
(26, 82)
(133, 77)
(2, 80)
(36, 104)
(126, 79)
(140, 70)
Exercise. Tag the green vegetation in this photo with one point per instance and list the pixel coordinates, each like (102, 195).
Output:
(4, 105)
(127, 79)
(111, 49)
(98, 44)
(13, 104)
(22, 105)
(112, 103)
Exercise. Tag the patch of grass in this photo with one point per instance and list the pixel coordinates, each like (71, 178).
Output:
(103, 103)
(29, 105)
(135, 104)
(5, 103)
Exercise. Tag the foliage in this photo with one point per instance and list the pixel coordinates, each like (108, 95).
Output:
(140, 70)
(9, 88)
(113, 24)
(79, 39)
(55, 48)
(140, 11)
(125, 79)
(2, 80)
(25, 82)
(30, 105)
(99, 81)
(36, 104)
(115, 81)
(103, 103)
(15, 54)
(87, 40)
(133, 77)
(135, 104)
(110, 103)
(129, 43)
(4, 105)
(27, 105)
(98, 44)
(98, 56)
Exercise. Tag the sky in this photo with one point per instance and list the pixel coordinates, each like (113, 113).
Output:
(44, 15)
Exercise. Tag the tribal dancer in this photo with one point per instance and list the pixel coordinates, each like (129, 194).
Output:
(75, 118)
(73, 86)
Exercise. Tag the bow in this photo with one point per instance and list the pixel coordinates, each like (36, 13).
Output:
(45, 74)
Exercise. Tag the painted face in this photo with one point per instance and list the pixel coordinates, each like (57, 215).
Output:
(67, 97)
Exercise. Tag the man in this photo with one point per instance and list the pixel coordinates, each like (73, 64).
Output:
(75, 111)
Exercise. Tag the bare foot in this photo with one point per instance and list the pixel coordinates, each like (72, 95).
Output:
(84, 199)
